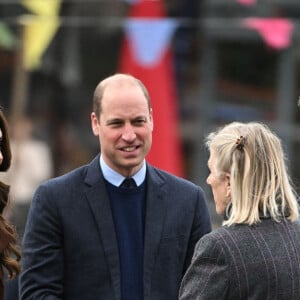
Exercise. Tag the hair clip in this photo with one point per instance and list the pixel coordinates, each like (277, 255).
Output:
(240, 142)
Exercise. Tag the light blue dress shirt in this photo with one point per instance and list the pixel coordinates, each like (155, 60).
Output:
(116, 179)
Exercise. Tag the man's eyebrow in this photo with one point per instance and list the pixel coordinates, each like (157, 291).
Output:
(114, 119)
(140, 117)
(122, 120)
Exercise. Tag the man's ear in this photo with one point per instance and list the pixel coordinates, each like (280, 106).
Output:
(151, 119)
(95, 124)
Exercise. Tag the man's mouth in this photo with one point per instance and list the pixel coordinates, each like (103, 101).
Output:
(129, 149)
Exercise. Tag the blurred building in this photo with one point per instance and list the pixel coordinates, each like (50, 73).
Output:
(225, 71)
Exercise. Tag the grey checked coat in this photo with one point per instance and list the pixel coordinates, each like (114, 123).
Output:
(258, 262)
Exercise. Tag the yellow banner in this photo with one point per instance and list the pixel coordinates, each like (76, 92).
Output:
(39, 29)
(43, 7)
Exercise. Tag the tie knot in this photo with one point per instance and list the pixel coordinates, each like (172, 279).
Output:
(128, 183)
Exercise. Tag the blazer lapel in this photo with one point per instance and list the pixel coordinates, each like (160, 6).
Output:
(156, 203)
(100, 205)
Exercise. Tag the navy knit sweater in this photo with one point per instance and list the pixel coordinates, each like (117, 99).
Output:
(128, 210)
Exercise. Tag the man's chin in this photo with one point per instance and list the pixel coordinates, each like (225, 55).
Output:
(133, 163)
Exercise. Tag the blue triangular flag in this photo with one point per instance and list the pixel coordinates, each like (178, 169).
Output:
(149, 38)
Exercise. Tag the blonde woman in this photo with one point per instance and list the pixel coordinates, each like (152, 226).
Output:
(256, 253)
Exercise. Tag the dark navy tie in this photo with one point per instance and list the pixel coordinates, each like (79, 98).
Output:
(128, 183)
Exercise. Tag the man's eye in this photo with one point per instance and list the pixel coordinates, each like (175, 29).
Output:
(139, 122)
(115, 124)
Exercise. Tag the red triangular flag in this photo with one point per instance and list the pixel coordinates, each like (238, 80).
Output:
(159, 78)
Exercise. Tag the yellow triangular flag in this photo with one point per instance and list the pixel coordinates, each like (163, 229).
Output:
(43, 7)
(38, 32)
(39, 29)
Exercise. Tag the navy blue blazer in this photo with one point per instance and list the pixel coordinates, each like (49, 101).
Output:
(70, 248)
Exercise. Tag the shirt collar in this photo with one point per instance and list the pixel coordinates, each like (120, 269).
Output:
(116, 178)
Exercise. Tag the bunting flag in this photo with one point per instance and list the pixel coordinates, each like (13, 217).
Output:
(43, 7)
(276, 32)
(146, 54)
(39, 29)
(246, 2)
(7, 38)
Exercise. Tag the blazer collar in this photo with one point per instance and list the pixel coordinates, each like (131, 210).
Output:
(156, 207)
(98, 200)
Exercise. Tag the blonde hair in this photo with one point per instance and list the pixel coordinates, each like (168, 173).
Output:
(259, 181)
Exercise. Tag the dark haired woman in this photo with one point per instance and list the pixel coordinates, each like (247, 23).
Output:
(9, 252)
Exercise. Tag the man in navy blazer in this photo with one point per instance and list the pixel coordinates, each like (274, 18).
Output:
(88, 238)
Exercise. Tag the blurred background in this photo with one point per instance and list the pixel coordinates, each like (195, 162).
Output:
(205, 63)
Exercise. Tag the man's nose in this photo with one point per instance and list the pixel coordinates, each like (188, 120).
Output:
(129, 133)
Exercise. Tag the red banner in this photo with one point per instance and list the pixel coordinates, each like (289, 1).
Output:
(158, 75)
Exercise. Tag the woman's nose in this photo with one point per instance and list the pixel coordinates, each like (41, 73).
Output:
(208, 180)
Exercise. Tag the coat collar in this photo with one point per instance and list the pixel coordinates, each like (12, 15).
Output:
(156, 204)
(98, 199)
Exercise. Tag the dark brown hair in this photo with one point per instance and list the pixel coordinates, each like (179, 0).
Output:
(9, 251)
(4, 145)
